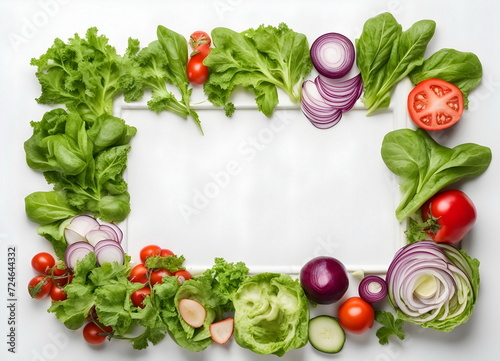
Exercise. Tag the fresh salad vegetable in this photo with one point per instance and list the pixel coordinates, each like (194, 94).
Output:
(197, 72)
(372, 289)
(325, 99)
(386, 54)
(425, 167)
(462, 69)
(326, 334)
(356, 315)
(433, 285)
(271, 314)
(435, 104)
(390, 326)
(447, 217)
(85, 164)
(332, 55)
(258, 60)
(324, 280)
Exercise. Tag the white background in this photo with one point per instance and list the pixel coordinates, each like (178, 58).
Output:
(345, 211)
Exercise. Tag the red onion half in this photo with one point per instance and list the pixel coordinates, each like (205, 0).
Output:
(332, 55)
(434, 285)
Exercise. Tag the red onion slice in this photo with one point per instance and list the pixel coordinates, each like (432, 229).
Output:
(340, 94)
(314, 107)
(76, 252)
(97, 235)
(111, 227)
(79, 226)
(332, 54)
(372, 289)
(109, 251)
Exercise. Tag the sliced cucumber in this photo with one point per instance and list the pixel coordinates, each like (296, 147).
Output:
(326, 334)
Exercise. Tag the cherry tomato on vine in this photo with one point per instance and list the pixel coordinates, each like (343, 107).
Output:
(356, 315)
(149, 251)
(43, 262)
(139, 274)
(139, 295)
(39, 287)
(197, 72)
(157, 276)
(95, 334)
(57, 293)
(61, 277)
(435, 104)
(453, 212)
(198, 38)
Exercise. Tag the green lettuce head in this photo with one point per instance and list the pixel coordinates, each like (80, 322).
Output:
(271, 314)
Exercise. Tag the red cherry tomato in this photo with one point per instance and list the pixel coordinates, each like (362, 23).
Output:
(157, 276)
(39, 287)
(61, 277)
(139, 274)
(95, 334)
(356, 315)
(203, 49)
(435, 104)
(166, 253)
(198, 38)
(139, 295)
(57, 293)
(197, 72)
(148, 251)
(43, 262)
(183, 275)
(454, 214)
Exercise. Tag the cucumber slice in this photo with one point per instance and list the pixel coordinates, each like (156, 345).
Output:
(326, 334)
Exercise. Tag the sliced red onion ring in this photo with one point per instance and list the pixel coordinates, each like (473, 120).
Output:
(109, 251)
(372, 289)
(97, 235)
(79, 226)
(111, 226)
(76, 252)
(332, 54)
(340, 94)
(314, 107)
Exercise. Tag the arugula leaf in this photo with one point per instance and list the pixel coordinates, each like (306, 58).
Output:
(460, 68)
(390, 326)
(259, 60)
(425, 167)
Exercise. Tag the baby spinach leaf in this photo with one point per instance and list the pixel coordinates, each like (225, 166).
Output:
(425, 167)
(382, 69)
(463, 69)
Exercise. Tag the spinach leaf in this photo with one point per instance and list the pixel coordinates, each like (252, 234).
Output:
(259, 60)
(425, 167)
(382, 69)
(47, 207)
(463, 69)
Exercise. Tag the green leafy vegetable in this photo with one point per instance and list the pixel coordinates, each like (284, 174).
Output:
(271, 314)
(85, 164)
(460, 68)
(386, 55)
(162, 61)
(425, 167)
(259, 60)
(171, 263)
(85, 74)
(390, 326)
